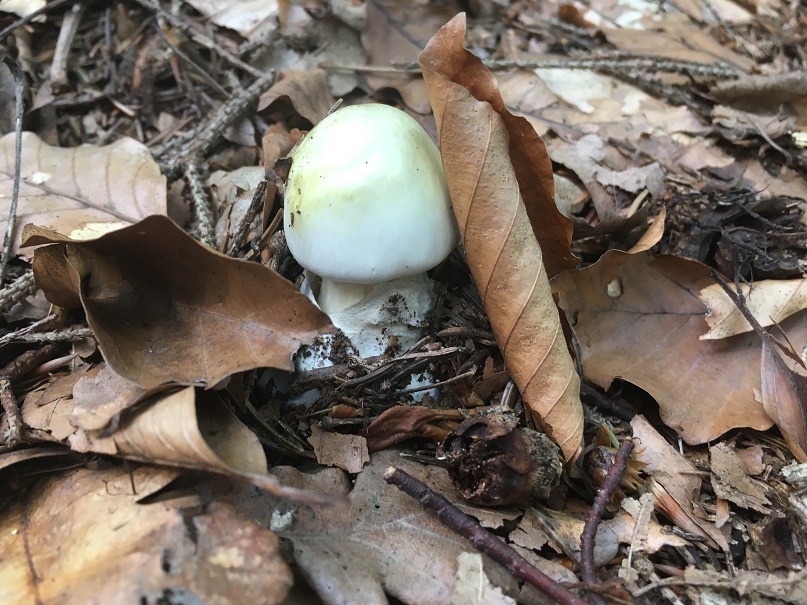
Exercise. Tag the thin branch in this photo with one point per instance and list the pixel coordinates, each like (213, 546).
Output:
(619, 62)
(13, 293)
(15, 370)
(201, 204)
(200, 39)
(241, 232)
(198, 143)
(594, 516)
(482, 539)
(31, 16)
(70, 24)
(8, 242)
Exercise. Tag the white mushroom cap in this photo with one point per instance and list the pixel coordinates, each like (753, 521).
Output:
(366, 198)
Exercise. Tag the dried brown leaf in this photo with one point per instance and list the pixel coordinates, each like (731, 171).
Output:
(82, 537)
(178, 430)
(677, 477)
(348, 452)
(168, 310)
(653, 234)
(447, 65)
(100, 396)
(770, 302)
(402, 422)
(491, 159)
(675, 37)
(784, 397)
(639, 318)
(49, 410)
(395, 31)
(307, 91)
(83, 191)
(730, 481)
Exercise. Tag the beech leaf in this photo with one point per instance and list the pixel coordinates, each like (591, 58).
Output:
(167, 310)
(83, 191)
(784, 397)
(640, 319)
(494, 163)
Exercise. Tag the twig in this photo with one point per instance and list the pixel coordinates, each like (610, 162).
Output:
(198, 144)
(199, 38)
(620, 62)
(8, 242)
(58, 67)
(482, 539)
(70, 335)
(431, 385)
(13, 293)
(16, 369)
(13, 433)
(594, 516)
(30, 17)
(201, 204)
(240, 235)
(22, 332)
(389, 364)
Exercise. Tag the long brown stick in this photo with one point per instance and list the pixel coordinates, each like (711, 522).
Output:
(485, 541)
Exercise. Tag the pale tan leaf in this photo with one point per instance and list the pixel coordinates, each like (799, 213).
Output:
(82, 537)
(770, 301)
(21, 7)
(472, 586)
(348, 452)
(730, 481)
(250, 18)
(479, 145)
(83, 191)
(653, 234)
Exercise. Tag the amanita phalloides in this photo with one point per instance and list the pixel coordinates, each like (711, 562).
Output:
(367, 214)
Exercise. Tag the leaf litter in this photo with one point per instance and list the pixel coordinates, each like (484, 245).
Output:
(672, 134)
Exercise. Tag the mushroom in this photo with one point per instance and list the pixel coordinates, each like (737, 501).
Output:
(367, 211)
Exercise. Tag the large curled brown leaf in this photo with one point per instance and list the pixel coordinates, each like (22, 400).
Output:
(494, 164)
(181, 429)
(81, 191)
(166, 309)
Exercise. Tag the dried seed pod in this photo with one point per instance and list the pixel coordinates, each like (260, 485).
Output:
(495, 462)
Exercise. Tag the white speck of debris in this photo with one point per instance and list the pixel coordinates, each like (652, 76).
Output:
(281, 521)
(614, 288)
(38, 178)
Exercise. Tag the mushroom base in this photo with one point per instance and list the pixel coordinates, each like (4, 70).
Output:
(391, 318)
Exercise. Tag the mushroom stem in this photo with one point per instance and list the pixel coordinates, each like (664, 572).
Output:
(334, 296)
